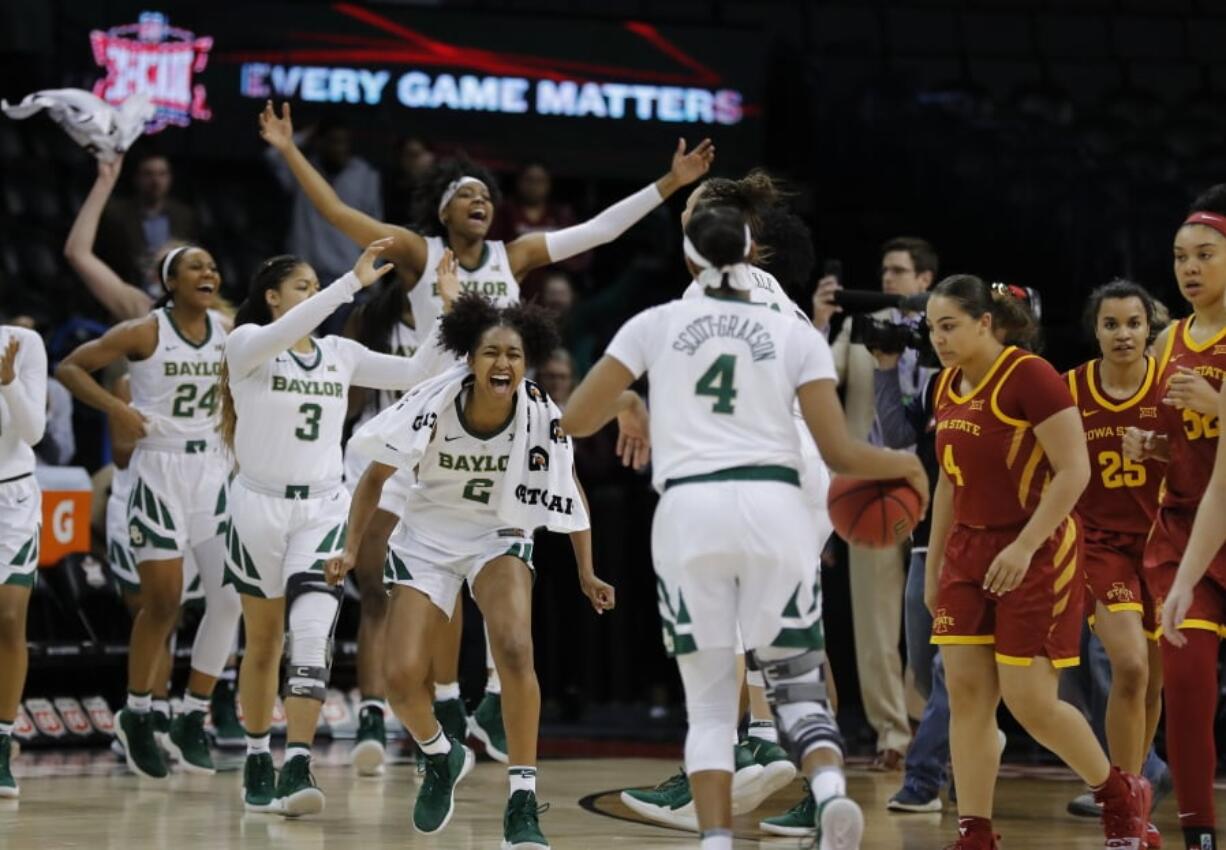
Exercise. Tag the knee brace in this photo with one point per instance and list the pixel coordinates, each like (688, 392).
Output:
(312, 609)
(798, 698)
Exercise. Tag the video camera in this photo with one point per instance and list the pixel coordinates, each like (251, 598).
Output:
(895, 337)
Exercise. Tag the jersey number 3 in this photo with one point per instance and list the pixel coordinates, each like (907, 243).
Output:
(310, 427)
(718, 382)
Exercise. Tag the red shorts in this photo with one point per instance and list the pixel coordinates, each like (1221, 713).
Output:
(1041, 617)
(1169, 538)
(1114, 576)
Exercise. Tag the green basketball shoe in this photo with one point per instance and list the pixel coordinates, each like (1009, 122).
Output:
(227, 731)
(370, 750)
(486, 726)
(436, 798)
(135, 733)
(260, 784)
(297, 792)
(187, 744)
(777, 772)
(797, 822)
(8, 785)
(670, 802)
(521, 827)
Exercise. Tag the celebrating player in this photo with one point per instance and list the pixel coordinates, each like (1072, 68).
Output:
(23, 416)
(491, 466)
(1192, 581)
(177, 472)
(733, 536)
(284, 398)
(1002, 579)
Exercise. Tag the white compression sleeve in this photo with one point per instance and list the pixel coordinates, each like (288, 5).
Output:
(712, 694)
(222, 610)
(604, 227)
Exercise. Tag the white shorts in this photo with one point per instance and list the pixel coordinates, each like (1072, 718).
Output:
(395, 489)
(439, 568)
(737, 553)
(123, 563)
(177, 502)
(21, 520)
(271, 537)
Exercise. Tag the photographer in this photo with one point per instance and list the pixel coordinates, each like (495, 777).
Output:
(908, 268)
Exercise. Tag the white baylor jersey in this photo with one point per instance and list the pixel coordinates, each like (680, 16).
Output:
(723, 375)
(456, 479)
(492, 278)
(176, 387)
(766, 290)
(291, 412)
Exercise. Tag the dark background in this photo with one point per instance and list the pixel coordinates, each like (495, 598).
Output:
(1051, 144)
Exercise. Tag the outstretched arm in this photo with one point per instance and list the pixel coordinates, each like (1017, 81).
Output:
(120, 300)
(408, 249)
(361, 509)
(534, 250)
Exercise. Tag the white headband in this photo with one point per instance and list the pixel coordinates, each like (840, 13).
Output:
(454, 186)
(170, 258)
(711, 277)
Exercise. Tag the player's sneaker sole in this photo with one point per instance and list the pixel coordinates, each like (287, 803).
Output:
(775, 776)
(9, 792)
(308, 801)
(523, 845)
(684, 817)
(789, 831)
(842, 825)
(745, 789)
(928, 807)
(475, 730)
(176, 755)
(271, 808)
(368, 758)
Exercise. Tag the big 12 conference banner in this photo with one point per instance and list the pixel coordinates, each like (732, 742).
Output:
(522, 85)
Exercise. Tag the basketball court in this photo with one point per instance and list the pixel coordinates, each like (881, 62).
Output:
(88, 799)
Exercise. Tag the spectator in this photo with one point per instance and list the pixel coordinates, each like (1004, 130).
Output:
(133, 230)
(878, 576)
(557, 376)
(413, 162)
(531, 209)
(353, 179)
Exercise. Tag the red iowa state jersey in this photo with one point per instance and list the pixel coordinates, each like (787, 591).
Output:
(1193, 436)
(1122, 494)
(985, 439)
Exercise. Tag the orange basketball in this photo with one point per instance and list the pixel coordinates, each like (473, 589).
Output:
(877, 514)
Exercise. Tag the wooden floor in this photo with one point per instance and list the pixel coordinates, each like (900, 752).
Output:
(88, 800)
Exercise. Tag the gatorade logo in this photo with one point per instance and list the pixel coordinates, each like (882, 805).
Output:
(62, 525)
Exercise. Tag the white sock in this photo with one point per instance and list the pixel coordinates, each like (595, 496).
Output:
(257, 744)
(764, 730)
(160, 706)
(378, 704)
(438, 745)
(193, 703)
(6, 730)
(827, 782)
(717, 839)
(230, 674)
(139, 703)
(522, 778)
(446, 691)
(493, 685)
(295, 750)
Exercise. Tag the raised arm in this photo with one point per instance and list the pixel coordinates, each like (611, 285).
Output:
(603, 394)
(249, 346)
(120, 300)
(407, 250)
(533, 250)
(23, 384)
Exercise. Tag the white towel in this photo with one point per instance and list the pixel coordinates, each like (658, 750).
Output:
(94, 124)
(539, 486)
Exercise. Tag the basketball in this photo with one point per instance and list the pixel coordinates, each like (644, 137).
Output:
(877, 514)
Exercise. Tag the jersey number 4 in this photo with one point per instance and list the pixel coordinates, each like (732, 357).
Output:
(718, 382)
(186, 405)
